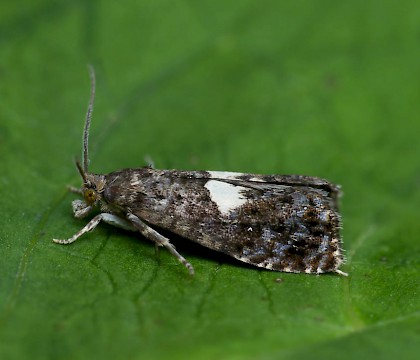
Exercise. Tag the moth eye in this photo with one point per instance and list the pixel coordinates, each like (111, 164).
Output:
(90, 196)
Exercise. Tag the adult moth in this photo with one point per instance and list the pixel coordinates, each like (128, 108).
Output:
(279, 222)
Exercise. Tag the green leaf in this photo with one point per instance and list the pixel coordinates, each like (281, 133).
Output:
(322, 88)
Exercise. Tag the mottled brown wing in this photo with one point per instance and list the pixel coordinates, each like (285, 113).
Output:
(288, 225)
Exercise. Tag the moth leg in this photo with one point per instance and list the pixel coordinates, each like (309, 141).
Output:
(149, 161)
(105, 217)
(75, 190)
(158, 239)
(341, 272)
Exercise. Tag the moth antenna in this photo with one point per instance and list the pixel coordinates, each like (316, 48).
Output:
(81, 171)
(87, 121)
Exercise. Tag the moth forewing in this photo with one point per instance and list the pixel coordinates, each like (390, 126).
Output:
(279, 222)
(274, 225)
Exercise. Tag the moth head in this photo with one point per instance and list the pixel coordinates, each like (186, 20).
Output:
(93, 186)
(90, 196)
(92, 189)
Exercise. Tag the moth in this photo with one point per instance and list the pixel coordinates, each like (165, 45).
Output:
(285, 223)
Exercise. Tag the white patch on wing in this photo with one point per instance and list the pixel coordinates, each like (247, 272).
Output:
(256, 179)
(229, 175)
(226, 196)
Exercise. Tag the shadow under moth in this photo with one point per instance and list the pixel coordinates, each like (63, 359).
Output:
(278, 222)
